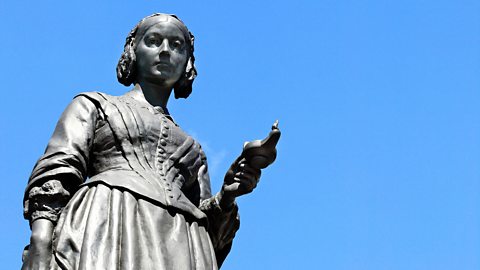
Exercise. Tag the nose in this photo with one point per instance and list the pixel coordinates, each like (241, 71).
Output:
(164, 47)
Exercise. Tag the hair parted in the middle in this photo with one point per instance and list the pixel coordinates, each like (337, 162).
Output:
(126, 67)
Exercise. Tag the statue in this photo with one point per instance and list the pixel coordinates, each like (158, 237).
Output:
(122, 186)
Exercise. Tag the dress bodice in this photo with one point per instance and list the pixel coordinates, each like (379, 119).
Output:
(125, 143)
(122, 145)
(153, 134)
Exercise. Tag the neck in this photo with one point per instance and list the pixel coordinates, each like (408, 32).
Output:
(154, 94)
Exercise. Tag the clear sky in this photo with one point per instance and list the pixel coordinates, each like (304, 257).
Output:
(378, 102)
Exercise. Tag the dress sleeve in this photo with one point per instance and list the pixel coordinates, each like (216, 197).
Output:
(223, 223)
(64, 165)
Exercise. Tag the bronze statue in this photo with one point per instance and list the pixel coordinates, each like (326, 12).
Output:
(122, 186)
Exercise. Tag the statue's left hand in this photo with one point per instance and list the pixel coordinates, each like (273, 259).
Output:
(240, 179)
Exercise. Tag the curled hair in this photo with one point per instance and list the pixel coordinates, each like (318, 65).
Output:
(126, 67)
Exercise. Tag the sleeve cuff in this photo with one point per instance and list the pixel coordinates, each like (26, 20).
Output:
(46, 201)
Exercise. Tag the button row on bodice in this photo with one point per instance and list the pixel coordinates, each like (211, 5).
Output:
(162, 143)
(161, 156)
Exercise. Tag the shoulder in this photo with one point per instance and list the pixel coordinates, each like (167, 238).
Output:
(100, 100)
(86, 105)
(97, 98)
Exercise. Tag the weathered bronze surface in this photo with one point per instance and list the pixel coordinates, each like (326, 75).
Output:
(122, 186)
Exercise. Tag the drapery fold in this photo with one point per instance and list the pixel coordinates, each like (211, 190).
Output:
(116, 175)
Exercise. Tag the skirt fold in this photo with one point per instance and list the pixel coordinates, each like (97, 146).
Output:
(107, 228)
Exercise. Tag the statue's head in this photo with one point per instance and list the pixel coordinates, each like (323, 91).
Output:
(136, 52)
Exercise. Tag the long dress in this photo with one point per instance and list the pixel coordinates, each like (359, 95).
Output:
(127, 189)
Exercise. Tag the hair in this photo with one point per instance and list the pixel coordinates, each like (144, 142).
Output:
(126, 67)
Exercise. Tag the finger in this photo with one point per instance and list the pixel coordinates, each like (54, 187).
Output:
(247, 168)
(246, 175)
(245, 187)
(247, 183)
(233, 186)
(238, 162)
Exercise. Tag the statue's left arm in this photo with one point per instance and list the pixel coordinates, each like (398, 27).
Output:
(221, 209)
(223, 222)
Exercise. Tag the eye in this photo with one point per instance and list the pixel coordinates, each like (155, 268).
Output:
(177, 44)
(151, 41)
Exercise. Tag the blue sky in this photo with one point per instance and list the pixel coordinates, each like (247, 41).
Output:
(378, 102)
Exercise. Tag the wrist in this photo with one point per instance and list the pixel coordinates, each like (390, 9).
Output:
(42, 232)
(224, 200)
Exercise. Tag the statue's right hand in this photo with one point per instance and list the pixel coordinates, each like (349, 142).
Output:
(40, 250)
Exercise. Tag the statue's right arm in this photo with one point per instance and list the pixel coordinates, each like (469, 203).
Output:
(40, 249)
(56, 176)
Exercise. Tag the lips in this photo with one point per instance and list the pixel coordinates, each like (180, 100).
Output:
(162, 64)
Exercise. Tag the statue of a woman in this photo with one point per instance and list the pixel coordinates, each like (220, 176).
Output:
(121, 185)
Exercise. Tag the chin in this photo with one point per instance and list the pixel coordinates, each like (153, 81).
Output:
(161, 80)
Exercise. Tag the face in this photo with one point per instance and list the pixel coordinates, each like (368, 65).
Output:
(161, 54)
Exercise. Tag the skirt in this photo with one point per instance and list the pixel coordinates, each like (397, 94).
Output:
(106, 228)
